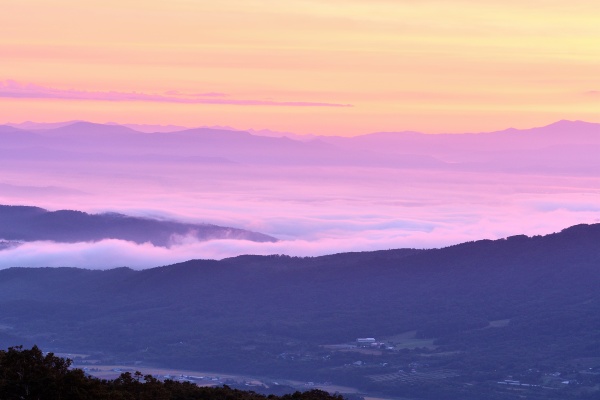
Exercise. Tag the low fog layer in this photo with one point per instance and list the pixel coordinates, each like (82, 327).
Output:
(317, 197)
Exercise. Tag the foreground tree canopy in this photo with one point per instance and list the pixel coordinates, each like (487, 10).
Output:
(29, 374)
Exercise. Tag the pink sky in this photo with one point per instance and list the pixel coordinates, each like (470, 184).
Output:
(432, 66)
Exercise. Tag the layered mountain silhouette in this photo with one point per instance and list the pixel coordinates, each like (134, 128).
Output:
(22, 223)
(565, 146)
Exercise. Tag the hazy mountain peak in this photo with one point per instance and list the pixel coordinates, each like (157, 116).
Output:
(566, 123)
(31, 125)
(83, 127)
(10, 129)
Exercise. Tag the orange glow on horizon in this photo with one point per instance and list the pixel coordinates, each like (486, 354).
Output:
(431, 66)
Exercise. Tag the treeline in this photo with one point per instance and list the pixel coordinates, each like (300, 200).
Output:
(29, 374)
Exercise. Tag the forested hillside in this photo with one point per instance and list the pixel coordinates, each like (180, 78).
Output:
(457, 320)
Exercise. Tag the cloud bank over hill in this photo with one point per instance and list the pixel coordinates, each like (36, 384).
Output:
(316, 197)
(322, 237)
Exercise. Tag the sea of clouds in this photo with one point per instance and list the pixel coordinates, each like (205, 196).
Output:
(312, 210)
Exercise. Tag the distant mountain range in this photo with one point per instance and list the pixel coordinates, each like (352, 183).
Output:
(24, 224)
(496, 319)
(565, 146)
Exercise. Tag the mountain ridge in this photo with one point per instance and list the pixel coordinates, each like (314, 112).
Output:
(483, 311)
(27, 223)
(510, 150)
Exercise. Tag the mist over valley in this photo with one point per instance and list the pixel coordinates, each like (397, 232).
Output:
(317, 196)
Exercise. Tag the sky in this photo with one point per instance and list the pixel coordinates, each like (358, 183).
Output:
(324, 67)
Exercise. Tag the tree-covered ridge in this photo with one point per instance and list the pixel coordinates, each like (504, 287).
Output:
(25, 224)
(29, 374)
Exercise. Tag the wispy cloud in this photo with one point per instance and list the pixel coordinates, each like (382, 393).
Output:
(207, 94)
(17, 90)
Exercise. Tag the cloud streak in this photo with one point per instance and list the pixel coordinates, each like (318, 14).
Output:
(16, 90)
